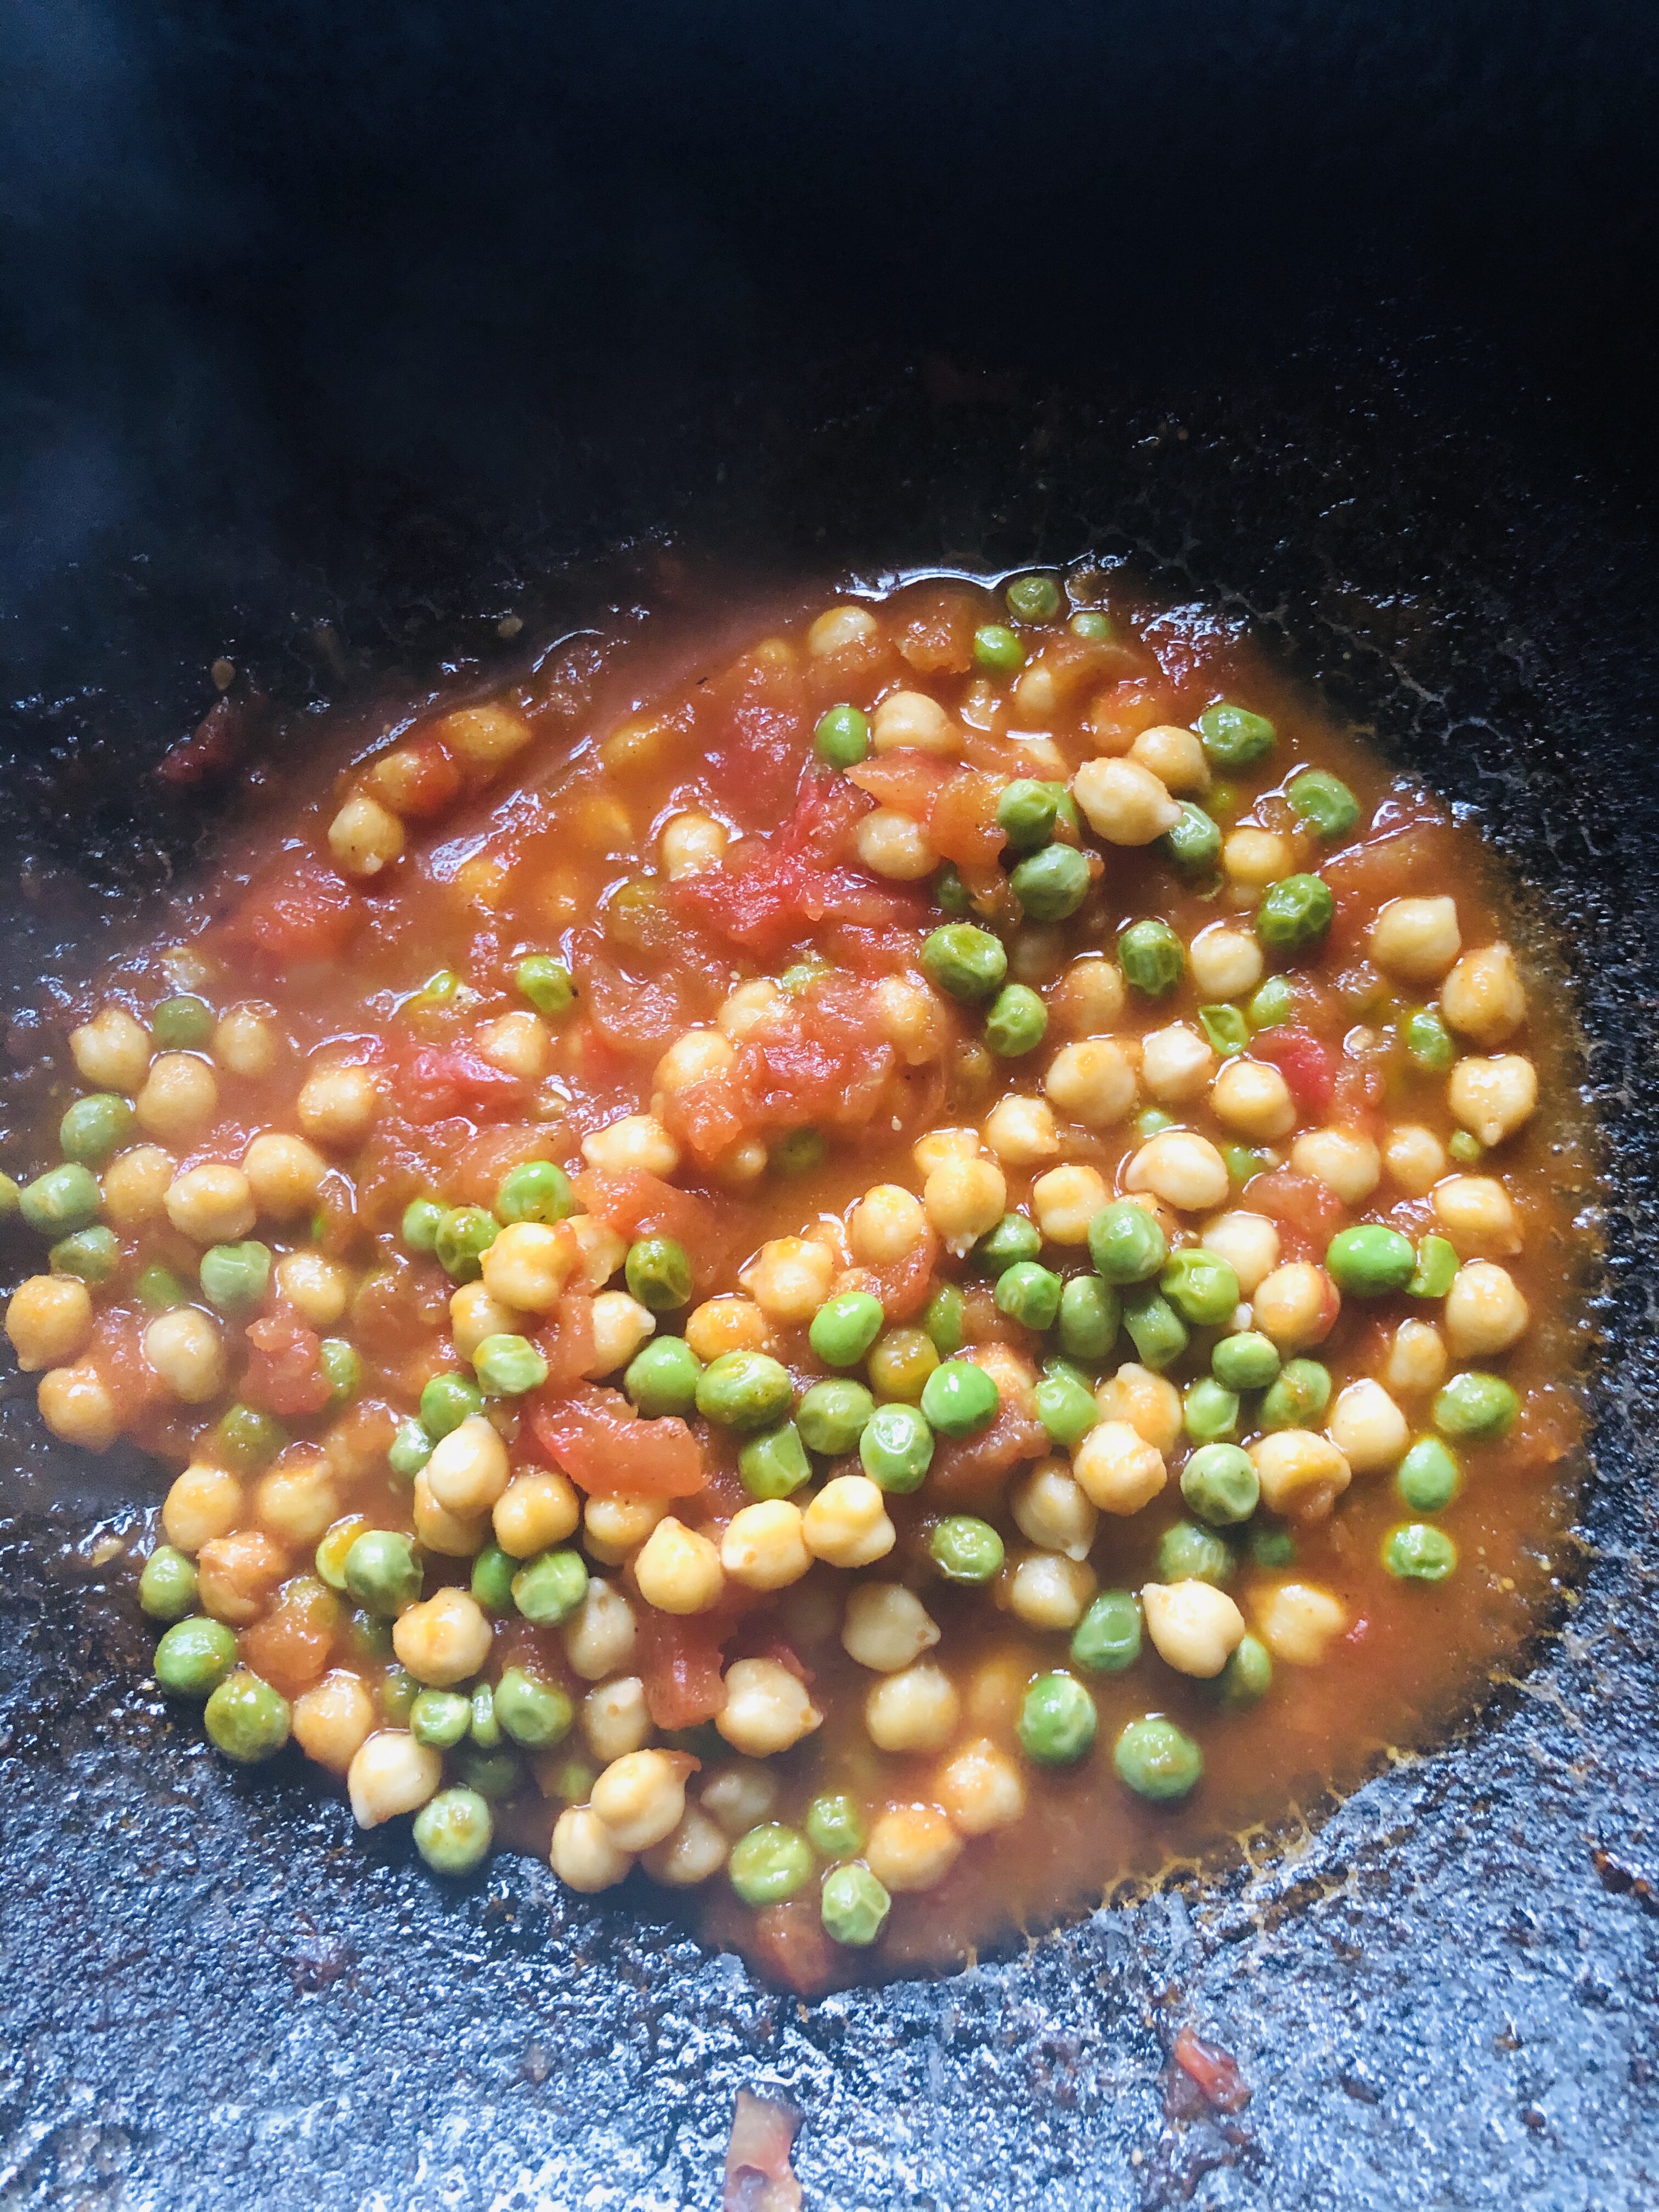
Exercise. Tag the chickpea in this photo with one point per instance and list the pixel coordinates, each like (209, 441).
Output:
(739, 1796)
(1255, 858)
(600, 1636)
(363, 837)
(678, 1569)
(749, 1007)
(1296, 1305)
(963, 1198)
(49, 1321)
(1297, 1621)
(890, 844)
(846, 1523)
(1344, 1160)
(455, 1536)
(691, 841)
(885, 1225)
(390, 1774)
(136, 1184)
(1021, 1132)
(179, 1098)
(1036, 955)
(112, 1051)
(614, 1526)
(443, 1639)
(584, 1854)
(912, 721)
(980, 1789)
(77, 1406)
(1125, 803)
(317, 1288)
(1176, 1063)
(914, 1710)
(1485, 1313)
(205, 1502)
(637, 1140)
(1417, 1359)
(530, 1263)
(1413, 1158)
(1065, 1200)
(1052, 1510)
(1493, 1097)
(913, 1020)
(284, 1174)
(621, 1326)
(236, 1574)
(538, 1508)
(1150, 1404)
(296, 1502)
(843, 630)
(1046, 1590)
(602, 1251)
(692, 1056)
(937, 1147)
(1118, 1470)
(331, 1722)
(1226, 962)
(1252, 1096)
(1368, 1428)
(467, 1471)
(1194, 1627)
(1089, 998)
(640, 1797)
(518, 1044)
(726, 1324)
(886, 1626)
(767, 1707)
(1092, 1082)
(211, 1205)
(1483, 998)
(1185, 1170)
(186, 1351)
(789, 1278)
(763, 1547)
(740, 1166)
(996, 1689)
(1478, 1216)
(912, 1847)
(1173, 756)
(246, 1043)
(1248, 1242)
(484, 738)
(695, 1852)
(1416, 940)
(1302, 1474)
(474, 1314)
(338, 1106)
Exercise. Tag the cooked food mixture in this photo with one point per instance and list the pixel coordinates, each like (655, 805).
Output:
(930, 1272)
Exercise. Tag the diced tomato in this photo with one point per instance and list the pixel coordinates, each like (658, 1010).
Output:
(1308, 1211)
(400, 1164)
(284, 1372)
(441, 1081)
(301, 910)
(402, 1301)
(679, 1660)
(969, 1473)
(1356, 1097)
(1214, 2070)
(961, 826)
(1308, 1065)
(289, 1647)
(636, 1203)
(476, 1171)
(758, 2176)
(934, 632)
(907, 780)
(208, 754)
(790, 1940)
(1408, 851)
(116, 1353)
(901, 1286)
(607, 1450)
(755, 734)
(1123, 712)
(567, 1342)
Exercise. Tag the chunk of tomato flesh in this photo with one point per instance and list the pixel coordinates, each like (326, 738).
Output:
(609, 1450)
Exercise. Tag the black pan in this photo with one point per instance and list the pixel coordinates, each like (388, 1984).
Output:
(337, 339)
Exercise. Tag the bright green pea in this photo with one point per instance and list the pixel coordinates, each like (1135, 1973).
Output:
(1248, 1361)
(548, 1588)
(1324, 801)
(943, 1320)
(91, 1255)
(1051, 884)
(182, 1024)
(94, 1127)
(1189, 1554)
(998, 650)
(959, 1399)
(247, 1719)
(439, 1718)
(383, 1571)
(246, 1441)
(1465, 1147)
(1475, 1407)
(770, 1863)
(1066, 1406)
(662, 1378)
(1200, 1285)
(1428, 1477)
(1225, 1028)
(194, 1656)
(1016, 1023)
(1273, 1005)
(1370, 1261)
(546, 983)
(1152, 1121)
(1091, 624)
(1209, 1411)
(844, 1327)
(234, 1276)
(535, 1190)
(447, 1401)
(166, 1588)
(1418, 1552)
(1027, 809)
(342, 1370)
(798, 1152)
(744, 1390)
(159, 1289)
(1033, 598)
(409, 1450)
(1294, 914)
(834, 1826)
(1272, 1548)
(1108, 1637)
(659, 1273)
(1233, 737)
(1243, 1163)
(774, 1463)
(454, 1831)
(950, 892)
(1029, 1293)
(464, 1235)
(1152, 958)
(494, 1775)
(1428, 1040)
(1057, 1720)
(534, 1713)
(1156, 1759)
(966, 1549)
(1248, 1675)
(833, 1416)
(491, 1582)
(852, 1905)
(1299, 1394)
(509, 1365)
(483, 1728)
(1156, 1329)
(1220, 1485)
(1013, 1240)
(842, 738)
(896, 1449)
(1090, 1315)
(966, 962)
(421, 1216)
(1126, 1244)
(1435, 1270)
(1193, 844)
(62, 1201)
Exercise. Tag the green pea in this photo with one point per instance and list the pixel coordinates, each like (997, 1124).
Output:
(1248, 1361)
(1200, 1285)
(1026, 809)
(62, 1201)
(1473, 1407)
(834, 1826)
(1057, 1720)
(235, 1277)
(1370, 1261)
(1299, 1394)
(1090, 1315)
(966, 962)
(166, 1588)
(444, 990)
(1016, 1022)
(409, 1450)
(246, 1440)
(369, 1637)
(998, 650)
(1323, 801)
(535, 1190)
(1066, 1406)
(1156, 1329)
(770, 1863)
(1091, 624)
(662, 1378)
(943, 1320)
(1225, 1028)
(94, 1127)
(1428, 1477)
(1156, 1759)
(439, 1718)
(844, 1327)
(492, 1584)
(966, 1549)
(534, 1713)
(842, 738)
(483, 1726)
(336, 1541)
(1248, 1675)
(546, 983)
(854, 1905)
(399, 1690)
(1152, 958)
(1273, 1005)
(1189, 1554)
(247, 1719)
(1418, 1552)
(1243, 1163)
(342, 1370)
(1193, 844)
(1209, 1411)
(549, 1588)
(10, 1197)
(1150, 1123)
(1233, 737)
(159, 1289)
(1051, 884)
(91, 1255)
(1435, 1268)
(182, 1024)
(1029, 1293)
(194, 1656)
(950, 892)
(508, 1366)
(454, 1831)
(833, 1416)
(383, 1571)
(1033, 598)
(447, 1401)
(420, 1225)
(1013, 1240)
(1465, 1147)
(1126, 1244)
(959, 1399)
(1294, 914)
(1428, 1040)
(1108, 1637)
(464, 1235)
(1220, 1485)
(773, 1464)
(659, 1273)
(744, 1390)
(573, 1780)
(900, 1363)
(896, 1449)
(798, 1152)
(494, 1775)
(1272, 1547)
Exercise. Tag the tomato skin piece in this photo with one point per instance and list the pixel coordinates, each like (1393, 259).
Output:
(1307, 1065)
(935, 632)
(567, 1343)
(608, 1450)
(289, 1647)
(284, 1372)
(901, 1286)
(1299, 1202)
(636, 1203)
(969, 1473)
(441, 1081)
(1214, 2071)
(300, 909)
(680, 1664)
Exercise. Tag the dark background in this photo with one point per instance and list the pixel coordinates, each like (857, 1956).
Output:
(330, 337)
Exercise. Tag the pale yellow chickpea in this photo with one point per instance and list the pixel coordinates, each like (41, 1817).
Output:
(332, 1721)
(621, 1326)
(1255, 858)
(1174, 755)
(485, 737)
(640, 1797)
(692, 1057)
(1176, 1063)
(789, 1278)
(739, 1796)
(964, 1197)
(390, 1774)
(1478, 1216)
(517, 1043)
(1485, 1313)
(938, 1146)
(530, 1263)
(1226, 962)
(996, 1689)
(886, 1626)
(364, 837)
(890, 844)
(1052, 1510)
(186, 1351)
(912, 1848)
(179, 1099)
(1368, 1428)
(914, 722)
(1413, 1158)
(211, 1205)
(443, 1639)
(1089, 997)
(678, 1569)
(1047, 1590)
(584, 1854)
(1021, 1132)
(455, 1536)
(749, 1006)
(136, 1185)
(636, 1140)
(915, 1710)
(693, 1851)
(1248, 1242)
(297, 1501)
(690, 841)
(846, 1523)
(1416, 940)
(767, 1707)
(1493, 1097)
(1035, 955)
(980, 1789)
(236, 1573)
(740, 1166)
(1302, 1474)
(1184, 1169)
(474, 1314)
(468, 1469)
(1483, 998)
(1123, 802)
(203, 1502)
(600, 1636)
(338, 1106)
(602, 1251)
(1117, 1468)
(1194, 1627)
(1294, 1305)
(539, 1508)
(112, 1051)
(1150, 1403)
(841, 630)
(726, 1324)
(49, 1321)
(763, 1547)
(284, 1175)
(1298, 1621)
(247, 1042)
(913, 1020)
(1252, 1096)
(612, 1528)
(1065, 1200)
(616, 1719)
(318, 1288)
(1417, 1359)
(1092, 1082)
(885, 1225)
(1344, 1160)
